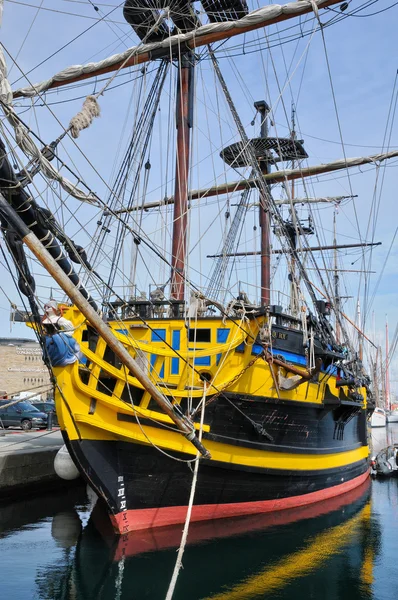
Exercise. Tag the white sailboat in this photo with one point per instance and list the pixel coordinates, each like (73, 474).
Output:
(392, 416)
(379, 418)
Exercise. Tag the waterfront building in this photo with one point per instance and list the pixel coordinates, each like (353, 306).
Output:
(22, 367)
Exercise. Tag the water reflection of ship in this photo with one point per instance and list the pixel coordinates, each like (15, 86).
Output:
(261, 556)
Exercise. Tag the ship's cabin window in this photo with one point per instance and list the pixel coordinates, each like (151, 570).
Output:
(200, 335)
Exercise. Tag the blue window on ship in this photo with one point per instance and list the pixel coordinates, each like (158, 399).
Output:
(202, 361)
(157, 335)
(200, 336)
(175, 342)
(222, 336)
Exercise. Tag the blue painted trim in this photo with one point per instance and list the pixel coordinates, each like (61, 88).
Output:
(175, 343)
(123, 331)
(290, 356)
(153, 360)
(222, 335)
(203, 361)
(158, 335)
(330, 370)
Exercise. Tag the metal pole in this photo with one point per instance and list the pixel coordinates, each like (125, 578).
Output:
(50, 420)
(40, 252)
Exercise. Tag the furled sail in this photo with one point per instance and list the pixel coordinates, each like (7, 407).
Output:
(205, 34)
(276, 177)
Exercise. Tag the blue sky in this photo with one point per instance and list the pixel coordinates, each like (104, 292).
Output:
(362, 57)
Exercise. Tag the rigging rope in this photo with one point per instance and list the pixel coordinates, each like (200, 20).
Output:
(269, 203)
(181, 549)
(214, 287)
(28, 146)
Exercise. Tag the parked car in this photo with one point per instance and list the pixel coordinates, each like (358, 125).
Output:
(47, 407)
(23, 414)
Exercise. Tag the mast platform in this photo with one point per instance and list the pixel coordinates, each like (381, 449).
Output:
(270, 150)
(181, 16)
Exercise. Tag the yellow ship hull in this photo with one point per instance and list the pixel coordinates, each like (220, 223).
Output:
(271, 448)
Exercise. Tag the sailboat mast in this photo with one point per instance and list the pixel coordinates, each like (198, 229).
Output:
(387, 371)
(360, 352)
(382, 377)
(376, 378)
(336, 281)
(180, 220)
(264, 220)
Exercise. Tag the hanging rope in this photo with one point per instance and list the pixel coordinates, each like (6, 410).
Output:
(26, 143)
(184, 537)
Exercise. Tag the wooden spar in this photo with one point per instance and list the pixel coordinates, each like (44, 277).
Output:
(196, 39)
(340, 271)
(51, 266)
(303, 249)
(271, 360)
(170, 200)
(180, 220)
(274, 177)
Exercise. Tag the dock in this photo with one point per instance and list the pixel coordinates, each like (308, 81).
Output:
(27, 462)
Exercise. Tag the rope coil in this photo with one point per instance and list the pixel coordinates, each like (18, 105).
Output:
(85, 117)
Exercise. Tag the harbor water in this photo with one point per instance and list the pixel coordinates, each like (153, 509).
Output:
(56, 547)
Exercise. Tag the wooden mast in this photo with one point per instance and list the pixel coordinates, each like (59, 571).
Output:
(294, 301)
(264, 220)
(180, 220)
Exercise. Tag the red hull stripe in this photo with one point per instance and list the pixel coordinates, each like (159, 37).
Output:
(146, 518)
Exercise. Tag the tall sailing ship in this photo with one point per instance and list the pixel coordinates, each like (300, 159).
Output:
(256, 401)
